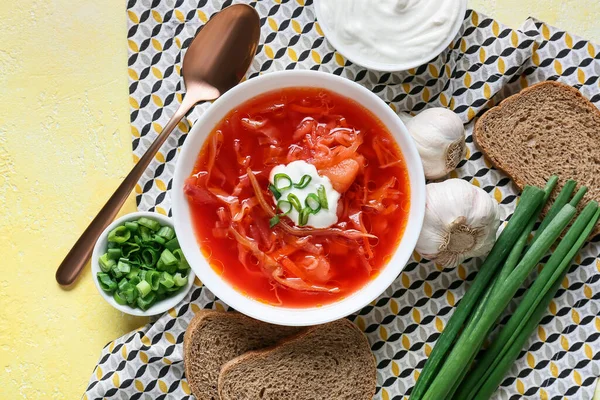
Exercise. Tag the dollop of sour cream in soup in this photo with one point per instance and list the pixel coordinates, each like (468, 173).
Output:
(295, 170)
(391, 31)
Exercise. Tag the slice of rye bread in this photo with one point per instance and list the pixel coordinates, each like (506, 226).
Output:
(331, 361)
(213, 338)
(546, 129)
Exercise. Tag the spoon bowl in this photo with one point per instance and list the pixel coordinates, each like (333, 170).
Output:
(216, 60)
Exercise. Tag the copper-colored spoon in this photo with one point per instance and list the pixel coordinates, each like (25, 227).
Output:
(216, 60)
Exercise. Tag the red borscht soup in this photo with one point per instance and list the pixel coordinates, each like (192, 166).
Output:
(299, 197)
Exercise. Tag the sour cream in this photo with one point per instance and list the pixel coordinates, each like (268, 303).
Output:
(296, 170)
(393, 32)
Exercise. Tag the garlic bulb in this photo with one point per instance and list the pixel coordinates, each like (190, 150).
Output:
(440, 138)
(460, 222)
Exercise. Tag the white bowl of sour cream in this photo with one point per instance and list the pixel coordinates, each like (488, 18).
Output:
(390, 35)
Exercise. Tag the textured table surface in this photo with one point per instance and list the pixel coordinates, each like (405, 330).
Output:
(64, 146)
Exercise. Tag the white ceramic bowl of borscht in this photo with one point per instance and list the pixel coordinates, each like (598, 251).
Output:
(298, 197)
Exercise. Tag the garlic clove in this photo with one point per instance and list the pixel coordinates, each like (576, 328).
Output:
(461, 221)
(440, 139)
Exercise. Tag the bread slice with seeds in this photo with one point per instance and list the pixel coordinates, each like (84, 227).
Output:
(213, 338)
(331, 361)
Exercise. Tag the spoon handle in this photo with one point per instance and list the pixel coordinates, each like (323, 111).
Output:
(81, 251)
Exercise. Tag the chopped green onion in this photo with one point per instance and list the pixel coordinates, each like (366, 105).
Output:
(313, 202)
(183, 264)
(159, 239)
(149, 256)
(152, 277)
(295, 201)
(276, 193)
(180, 280)
(322, 197)
(172, 244)
(303, 217)
(119, 298)
(143, 288)
(132, 226)
(122, 283)
(166, 280)
(130, 294)
(105, 281)
(135, 280)
(284, 206)
(119, 235)
(106, 263)
(114, 254)
(578, 196)
(168, 258)
(123, 267)
(140, 262)
(304, 181)
(166, 232)
(145, 302)
(282, 182)
(129, 248)
(149, 223)
(145, 233)
(274, 221)
(135, 271)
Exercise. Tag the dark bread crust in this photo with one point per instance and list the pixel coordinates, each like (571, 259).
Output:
(206, 347)
(364, 390)
(564, 143)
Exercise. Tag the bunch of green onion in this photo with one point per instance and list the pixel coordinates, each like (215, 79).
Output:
(143, 264)
(451, 371)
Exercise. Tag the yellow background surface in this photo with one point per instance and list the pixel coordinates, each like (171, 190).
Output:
(64, 146)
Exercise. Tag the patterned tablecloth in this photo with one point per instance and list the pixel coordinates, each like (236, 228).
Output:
(486, 62)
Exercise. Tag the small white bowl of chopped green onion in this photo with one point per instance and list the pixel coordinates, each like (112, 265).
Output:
(138, 266)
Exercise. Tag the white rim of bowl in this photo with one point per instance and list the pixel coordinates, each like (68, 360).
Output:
(386, 67)
(158, 307)
(286, 315)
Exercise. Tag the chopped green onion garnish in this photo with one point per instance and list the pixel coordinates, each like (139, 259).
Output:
(183, 264)
(172, 244)
(149, 256)
(119, 235)
(322, 197)
(168, 258)
(105, 281)
(114, 254)
(143, 263)
(312, 202)
(274, 221)
(166, 232)
(149, 223)
(123, 267)
(135, 271)
(303, 218)
(303, 182)
(152, 277)
(128, 249)
(180, 280)
(166, 280)
(145, 302)
(106, 263)
(282, 182)
(284, 206)
(159, 239)
(276, 193)
(295, 201)
(132, 226)
(119, 298)
(145, 233)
